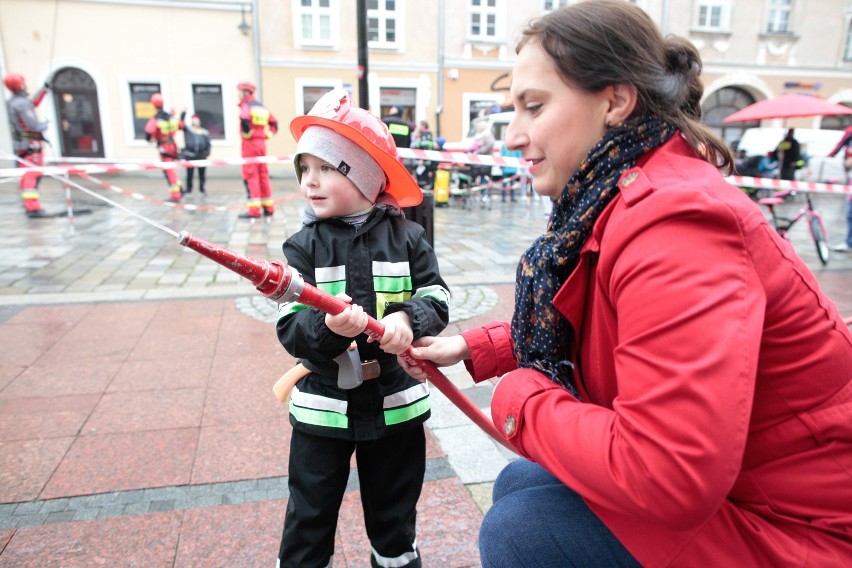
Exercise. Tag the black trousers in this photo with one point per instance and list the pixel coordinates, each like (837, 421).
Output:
(201, 175)
(390, 473)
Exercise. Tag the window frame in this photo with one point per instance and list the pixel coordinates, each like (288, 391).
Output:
(316, 13)
(724, 15)
(774, 11)
(135, 132)
(484, 10)
(383, 15)
(847, 48)
(303, 83)
(554, 4)
(194, 109)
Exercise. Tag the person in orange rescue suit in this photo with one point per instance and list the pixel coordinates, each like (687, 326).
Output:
(161, 128)
(257, 124)
(27, 139)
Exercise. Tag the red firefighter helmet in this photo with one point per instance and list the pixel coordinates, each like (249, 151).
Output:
(335, 110)
(247, 86)
(157, 100)
(14, 82)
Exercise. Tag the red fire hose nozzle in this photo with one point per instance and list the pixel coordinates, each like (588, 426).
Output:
(281, 283)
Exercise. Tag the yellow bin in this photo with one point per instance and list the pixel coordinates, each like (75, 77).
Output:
(442, 186)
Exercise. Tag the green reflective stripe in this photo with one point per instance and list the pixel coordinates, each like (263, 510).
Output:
(333, 288)
(398, 415)
(394, 128)
(318, 417)
(331, 279)
(392, 283)
(290, 308)
(437, 292)
(383, 300)
(407, 396)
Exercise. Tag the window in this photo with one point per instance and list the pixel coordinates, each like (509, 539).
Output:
(847, 49)
(316, 22)
(723, 103)
(404, 99)
(483, 19)
(142, 109)
(712, 15)
(779, 16)
(208, 105)
(550, 5)
(310, 96)
(382, 18)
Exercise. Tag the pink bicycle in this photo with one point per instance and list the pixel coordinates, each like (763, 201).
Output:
(783, 224)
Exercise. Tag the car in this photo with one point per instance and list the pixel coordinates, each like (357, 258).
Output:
(498, 122)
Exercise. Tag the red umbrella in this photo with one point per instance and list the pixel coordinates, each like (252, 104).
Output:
(788, 105)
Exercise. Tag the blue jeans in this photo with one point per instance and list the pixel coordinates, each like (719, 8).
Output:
(536, 521)
(849, 222)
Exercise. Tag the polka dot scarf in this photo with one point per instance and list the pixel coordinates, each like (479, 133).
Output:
(541, 334)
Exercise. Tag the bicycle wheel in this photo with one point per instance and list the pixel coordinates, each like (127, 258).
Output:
(820, 240)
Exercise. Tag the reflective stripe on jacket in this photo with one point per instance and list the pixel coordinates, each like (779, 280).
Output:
(385, 265)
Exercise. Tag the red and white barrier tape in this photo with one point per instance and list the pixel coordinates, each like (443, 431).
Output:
(782, 184)
(119, 167)
(406, 153)
(180, 205)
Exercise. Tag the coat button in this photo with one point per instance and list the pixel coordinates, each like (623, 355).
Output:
(629, 178)
(509, 425)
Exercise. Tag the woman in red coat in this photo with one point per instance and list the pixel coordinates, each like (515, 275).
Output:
(673, 375)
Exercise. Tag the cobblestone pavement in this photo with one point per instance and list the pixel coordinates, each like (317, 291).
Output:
(109, 257)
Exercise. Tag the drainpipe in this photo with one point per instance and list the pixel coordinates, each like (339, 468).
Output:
(255, 19)
(5, 133)
(664, 18)
(440, 107)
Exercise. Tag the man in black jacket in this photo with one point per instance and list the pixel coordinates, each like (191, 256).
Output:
(196, 147)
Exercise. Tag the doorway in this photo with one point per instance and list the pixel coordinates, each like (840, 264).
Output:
(75, 97)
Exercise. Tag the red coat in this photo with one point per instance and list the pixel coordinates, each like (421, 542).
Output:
(718, 424)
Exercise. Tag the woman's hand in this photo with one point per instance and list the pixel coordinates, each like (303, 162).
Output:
(398, 333)
(351, 322)
(442, 351)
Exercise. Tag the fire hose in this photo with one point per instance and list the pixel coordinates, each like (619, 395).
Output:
(281, 283)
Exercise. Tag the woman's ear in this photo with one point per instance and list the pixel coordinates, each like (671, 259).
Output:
(622, 102)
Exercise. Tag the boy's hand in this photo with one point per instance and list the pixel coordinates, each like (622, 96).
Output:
(351, 322)
(398, 333)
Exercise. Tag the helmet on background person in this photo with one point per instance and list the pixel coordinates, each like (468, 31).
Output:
(335, 111)
(247, 86)
(14, 82)
(157, 100)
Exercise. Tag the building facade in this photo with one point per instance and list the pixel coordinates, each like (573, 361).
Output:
(443, 61)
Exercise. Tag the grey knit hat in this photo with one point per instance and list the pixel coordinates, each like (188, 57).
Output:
(349, 159)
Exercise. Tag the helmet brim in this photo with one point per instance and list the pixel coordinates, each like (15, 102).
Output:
(400, 183)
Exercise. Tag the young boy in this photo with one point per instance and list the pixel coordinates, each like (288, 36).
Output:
(356, 242)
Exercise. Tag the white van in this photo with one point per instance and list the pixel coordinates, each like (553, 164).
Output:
(498, 122)
(815, 143)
